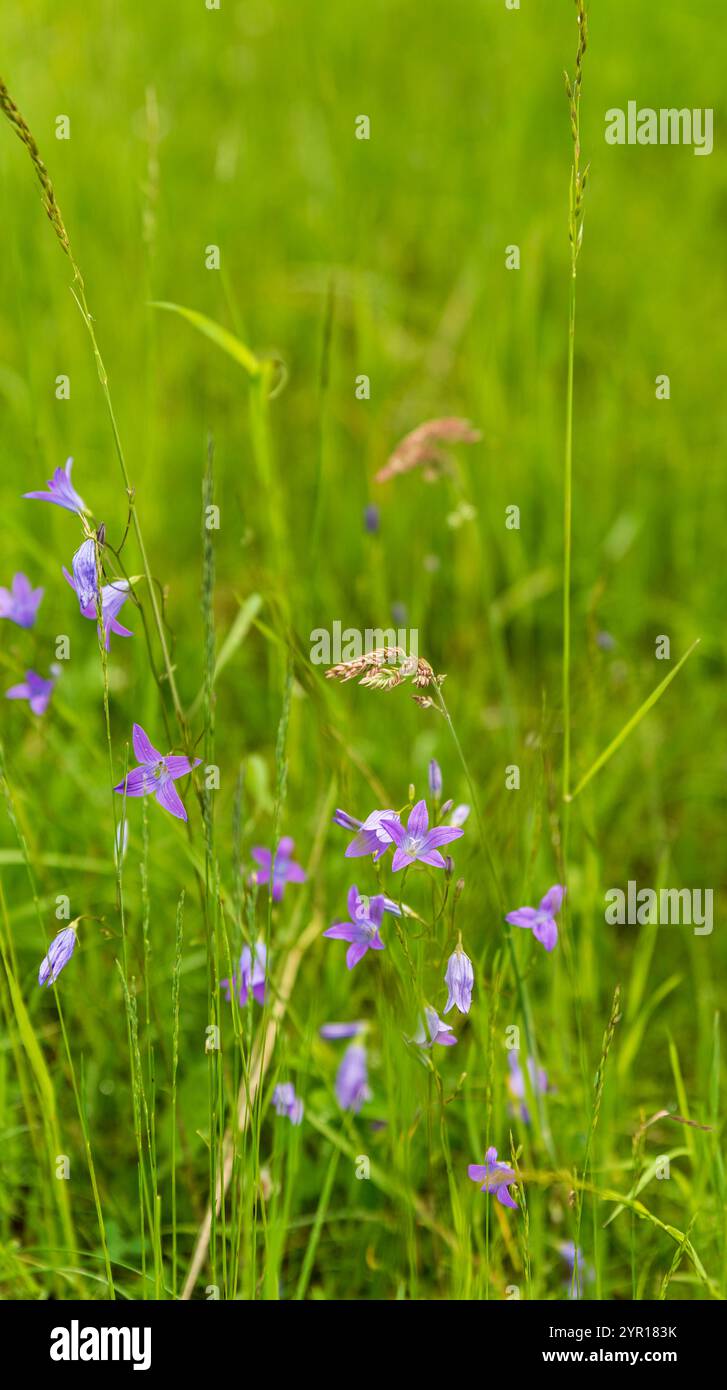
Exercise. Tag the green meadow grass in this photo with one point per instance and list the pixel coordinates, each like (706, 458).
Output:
(342, 257)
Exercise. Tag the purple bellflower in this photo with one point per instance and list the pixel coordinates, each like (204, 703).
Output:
(20, 603)
(61, 491)
(432, 1029)
(417, 841)
(33, 689)
(516, 1082)
(459, 979)
(363, 929)
(287, 1103)
(113, 598)
(540, 920)
(251, 976)
(59, 953)
(352, 1087)
(494, 1177)
(285, 869)
(85, 578)
(156, 774)
(372, 837)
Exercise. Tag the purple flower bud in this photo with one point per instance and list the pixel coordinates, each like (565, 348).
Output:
(459, 979)
(348, 822)
(352, 1079)
(287, 1103)
(435, 779)
(59, 953)
(371, 519)
(460, 814)
(85, 578)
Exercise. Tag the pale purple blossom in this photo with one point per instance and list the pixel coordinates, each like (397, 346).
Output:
(435, 779)
(352, 1087)
(287, 1103)
(494, 1176)
(540, 920)
(362, 931)
(61, 491)
(113, 598)
(34, 689)
(20, 602)
(460, 814)
(156, 774)
(417, 841)
(85, 577)
(59, 953)
(372, 838)
(334, 1032)
(432, 1029)
(250, 979)
(459, 979)
(285, 869)
(516, 1081)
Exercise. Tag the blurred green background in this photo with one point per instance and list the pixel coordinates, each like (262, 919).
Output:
(384, 257)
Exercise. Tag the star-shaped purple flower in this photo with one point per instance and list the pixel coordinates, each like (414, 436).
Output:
(20, 603)
(61, 491)
(251, 977)
(113, 598)
(33, 689)
(59, 953)
(494, 1177)
(363, 929)
(285, 869)
(541, 920)
(156, 774)
(417, 841)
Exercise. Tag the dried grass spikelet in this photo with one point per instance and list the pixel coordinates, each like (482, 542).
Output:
(421, 447)
(384, 668)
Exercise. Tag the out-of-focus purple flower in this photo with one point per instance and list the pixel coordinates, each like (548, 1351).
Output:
(435, 779)
(516, 1081)
(371, 519)
(285, 869)
(287, 1103)
(59, 953)
(417, 841)
(605, 641)
(334, 1032)
(540, 920)
(33, 689)
(460, 814)
(61, 491)
(156, 774)
(113, 598)
(432, 1029)
(251, 976)
(352, 1079)
(494, 1177)
(85, 578)
(362, 931)
(372, 837)
(459, 979)
(573, 1256)
(20, 602)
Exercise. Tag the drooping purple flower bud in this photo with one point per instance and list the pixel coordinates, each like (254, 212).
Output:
(435, 779)
(85, 578)
(287, 1103)
(352, 1079)
(459, 979)
(59, 953)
